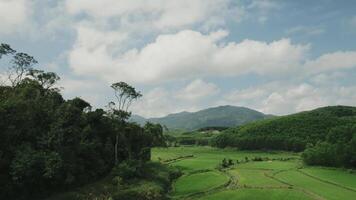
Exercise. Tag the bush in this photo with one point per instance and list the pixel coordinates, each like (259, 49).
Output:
(144, 191)
(127, 170)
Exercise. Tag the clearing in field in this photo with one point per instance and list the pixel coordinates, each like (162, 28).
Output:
(252, 175)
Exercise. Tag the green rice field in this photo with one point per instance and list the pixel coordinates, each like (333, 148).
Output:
(252, 175)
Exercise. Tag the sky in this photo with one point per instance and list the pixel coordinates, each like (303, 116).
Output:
(275, 56)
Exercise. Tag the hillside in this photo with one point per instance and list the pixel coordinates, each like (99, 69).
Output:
(222, 116)
(292, 132)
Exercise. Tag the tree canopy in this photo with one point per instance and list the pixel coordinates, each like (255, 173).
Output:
(48, 143)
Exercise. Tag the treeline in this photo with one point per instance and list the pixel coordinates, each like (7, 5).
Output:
(51, 144)
(326, 135)
(338, 150)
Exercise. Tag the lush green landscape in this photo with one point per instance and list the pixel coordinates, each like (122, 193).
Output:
(279, 175)
(63, 149)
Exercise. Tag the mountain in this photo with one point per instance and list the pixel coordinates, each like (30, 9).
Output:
(292, 132)
(224, 116)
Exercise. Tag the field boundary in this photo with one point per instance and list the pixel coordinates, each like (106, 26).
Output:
(207, 191)
(326, 181)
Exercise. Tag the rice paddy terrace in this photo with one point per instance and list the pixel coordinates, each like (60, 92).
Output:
(252, 175)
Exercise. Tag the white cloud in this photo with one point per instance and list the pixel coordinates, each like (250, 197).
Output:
(95, 92)
(157, 14)
(332, 61)
(328, 78)
(197, 90)
(263, 8)
(14, 13)
(186, 54)
(284, 98)
(159, 101)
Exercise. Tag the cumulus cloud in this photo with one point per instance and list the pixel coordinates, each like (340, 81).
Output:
(156, 14)
(97, 93)
(197, 90)
(332, 61)
(160, 101)
(284, 98)
(14, 13)
(187, 54)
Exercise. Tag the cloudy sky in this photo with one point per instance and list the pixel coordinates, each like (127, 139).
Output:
(274, 56)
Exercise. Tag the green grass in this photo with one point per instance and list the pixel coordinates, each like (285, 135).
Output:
(336, 176)
(269, 165)
(255, 194)
(199, 182)
(255, 178)
(209, 157)
(273, 179)
(315, 186)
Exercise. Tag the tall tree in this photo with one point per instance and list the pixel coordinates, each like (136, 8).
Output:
(125, 95)
(22, 63)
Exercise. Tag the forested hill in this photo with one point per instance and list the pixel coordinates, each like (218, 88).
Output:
(292, 132)
(222, 116)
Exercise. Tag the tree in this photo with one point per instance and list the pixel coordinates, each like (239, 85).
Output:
(156, 133)
(46, 79)
(6, 49)
(125, 95)
(21, 65)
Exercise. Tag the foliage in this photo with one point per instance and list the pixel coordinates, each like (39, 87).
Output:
(48, 143)
(327, 134)
(152, 181)
(156, 132)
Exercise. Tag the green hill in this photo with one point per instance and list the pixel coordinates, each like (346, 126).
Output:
(222, 116)
(291, 132)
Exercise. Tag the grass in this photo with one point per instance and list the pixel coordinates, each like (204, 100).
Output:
(336, 176)
(254, 178)
(269, 165)
(315, 186)
(199, 182)
(255, 194)
(209, 157)
(280, 176)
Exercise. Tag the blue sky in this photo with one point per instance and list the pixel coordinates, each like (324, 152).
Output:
(278, 57)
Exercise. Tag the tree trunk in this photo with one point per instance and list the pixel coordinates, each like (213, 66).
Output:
(116, 146)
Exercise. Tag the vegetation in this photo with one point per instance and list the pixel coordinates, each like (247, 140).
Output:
(264, 175)
(152, 181)
(198, 182)
(50, 144)
(201, 137)
(328, 136)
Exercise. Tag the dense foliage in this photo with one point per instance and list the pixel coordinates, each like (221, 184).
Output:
(48, 143)
(328, 135)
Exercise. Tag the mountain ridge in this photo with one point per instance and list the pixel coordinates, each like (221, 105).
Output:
(227, 116)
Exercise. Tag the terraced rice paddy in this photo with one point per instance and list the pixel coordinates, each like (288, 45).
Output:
(280, 175)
